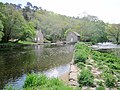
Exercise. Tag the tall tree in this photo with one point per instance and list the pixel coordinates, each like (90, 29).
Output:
(1, 30)
(113, 32)
(2, 16)
(15, 26)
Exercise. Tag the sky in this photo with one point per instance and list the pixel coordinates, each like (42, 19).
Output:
(106, 10)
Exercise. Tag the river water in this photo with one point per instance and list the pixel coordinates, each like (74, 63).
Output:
(15, 64)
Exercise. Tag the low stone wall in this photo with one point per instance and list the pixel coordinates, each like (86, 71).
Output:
(73, 73)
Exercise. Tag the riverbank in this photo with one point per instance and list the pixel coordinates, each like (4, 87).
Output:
(98, 71)
(11, 45)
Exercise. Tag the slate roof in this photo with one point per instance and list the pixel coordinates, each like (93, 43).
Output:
(77, 34)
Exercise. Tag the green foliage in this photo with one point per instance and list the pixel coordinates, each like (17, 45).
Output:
(100, 83)
(112, 61)
(1, 30)
(80, 56)
(28, 31)
(67, 31)
(86, 78)
(109, 80)
(55, 27)
(113, 32)
(100, 88)
(109, 64)
(25, 42)
(81, 65)
(81, 52)
(15, 26)
(34, 81)
(8, 87)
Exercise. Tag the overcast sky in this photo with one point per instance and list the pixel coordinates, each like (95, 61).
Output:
(106, 10)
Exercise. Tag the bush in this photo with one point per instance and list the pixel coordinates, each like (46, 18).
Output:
(86, 78)
(81, 52)
(80, 65)
(35, 80)
(80, 56)
(109, 80)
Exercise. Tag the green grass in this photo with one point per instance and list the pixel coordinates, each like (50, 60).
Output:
(25, 42)
(41, 82)
(86, 78)
(111, 60)
(44, 83)
(108, 63)
(100, 88)
(110, 80)
(81, 52)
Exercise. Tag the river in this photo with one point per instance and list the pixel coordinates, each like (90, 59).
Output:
(15, 64)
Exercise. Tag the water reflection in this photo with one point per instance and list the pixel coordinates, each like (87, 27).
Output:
(15, 64)
(57, 71)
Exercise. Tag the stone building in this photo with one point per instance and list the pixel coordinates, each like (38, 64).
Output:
(39, 37)
(72, 37)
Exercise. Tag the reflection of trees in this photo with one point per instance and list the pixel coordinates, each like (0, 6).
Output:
(14, 64)
(52, 57)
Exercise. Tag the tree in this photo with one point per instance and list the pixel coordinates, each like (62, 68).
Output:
(1, 18)
(28, 31)
(1, 30)
(113, 32)
(15, 26)
(91, 29)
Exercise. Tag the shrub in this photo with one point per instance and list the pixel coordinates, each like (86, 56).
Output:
(80, 57)
(100, 83)
(86, 78)
(109, 80)
(81, 52)
(80, 65)
(35, 80)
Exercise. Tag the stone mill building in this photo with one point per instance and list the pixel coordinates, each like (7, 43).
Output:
(72, 37)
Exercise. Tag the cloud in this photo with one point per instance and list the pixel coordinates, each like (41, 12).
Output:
(107, 10)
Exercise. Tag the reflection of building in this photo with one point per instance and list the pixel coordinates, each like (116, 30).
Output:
(39, 37)
(72, 37)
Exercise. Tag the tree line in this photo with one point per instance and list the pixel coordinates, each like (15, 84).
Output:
(20, 23)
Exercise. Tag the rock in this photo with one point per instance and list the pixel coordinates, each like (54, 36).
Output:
(73, 68)
(118, 84)
(73, 83)
(73, 76)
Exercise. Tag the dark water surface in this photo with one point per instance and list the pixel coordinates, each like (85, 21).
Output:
(16, 63)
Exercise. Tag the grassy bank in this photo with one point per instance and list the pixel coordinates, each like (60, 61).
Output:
(41, 82)
(97, 70)
(12, 45)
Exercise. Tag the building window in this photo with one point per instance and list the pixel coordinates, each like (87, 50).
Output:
(38, 38)
(71, 39)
